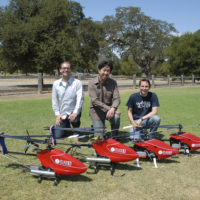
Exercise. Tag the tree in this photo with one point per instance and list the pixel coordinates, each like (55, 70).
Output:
(90, 33)
(183, 55)
(131, 33)
(37, 35)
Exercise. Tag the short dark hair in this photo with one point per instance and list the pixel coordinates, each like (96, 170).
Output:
(105, 63)
(145, 80)
(65, 62)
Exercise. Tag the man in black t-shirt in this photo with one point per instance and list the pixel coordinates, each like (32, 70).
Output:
(143, 108)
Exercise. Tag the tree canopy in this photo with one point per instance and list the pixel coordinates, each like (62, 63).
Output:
(132, 34)
(37, 35)
(184, 54)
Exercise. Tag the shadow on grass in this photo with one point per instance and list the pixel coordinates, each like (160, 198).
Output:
(123, 166)
(18, 166)
(116, 166)
(159, 136)
(60, 178)
(194, 153)
(168, 161)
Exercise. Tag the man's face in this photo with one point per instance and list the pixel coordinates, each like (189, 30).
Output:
(104, 73)
(144, 88)
(65, 70)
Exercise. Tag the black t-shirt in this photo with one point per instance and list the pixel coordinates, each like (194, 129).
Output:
(142, 105)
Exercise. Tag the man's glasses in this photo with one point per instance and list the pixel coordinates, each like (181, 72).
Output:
(65, 68)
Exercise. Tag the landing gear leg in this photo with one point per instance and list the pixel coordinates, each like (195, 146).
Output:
(112, 169)
(187, 151)
(95, 168)
(39, 179)
(56, 181)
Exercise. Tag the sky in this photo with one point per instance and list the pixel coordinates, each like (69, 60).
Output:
(183, 14)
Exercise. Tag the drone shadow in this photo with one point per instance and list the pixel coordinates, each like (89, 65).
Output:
(123, 166)
(17, 166)
(195, 152)
(168, 161)
(117, 166)
(159, 136)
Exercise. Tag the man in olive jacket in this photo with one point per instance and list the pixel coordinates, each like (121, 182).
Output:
(105, 99)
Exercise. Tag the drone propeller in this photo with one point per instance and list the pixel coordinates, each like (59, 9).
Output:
(26, 138)
(131, 126)
(179, 126)
(88, 131)
(176, 126)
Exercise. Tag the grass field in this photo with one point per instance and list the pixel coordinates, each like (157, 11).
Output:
(175, 178)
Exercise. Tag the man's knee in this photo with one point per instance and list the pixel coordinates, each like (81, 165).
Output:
(59, 133)
(116, 120)
(155, 119)
(76, 124)
(117, 117)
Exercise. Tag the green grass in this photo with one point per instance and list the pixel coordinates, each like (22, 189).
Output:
(176, 178)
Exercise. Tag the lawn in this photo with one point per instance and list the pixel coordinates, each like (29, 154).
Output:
(175, 178)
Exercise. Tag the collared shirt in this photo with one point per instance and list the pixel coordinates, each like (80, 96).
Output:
(103, 97)
(67, 97)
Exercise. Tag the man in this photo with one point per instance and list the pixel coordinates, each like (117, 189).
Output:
(67, 100)
(105, 99)
(143, 109)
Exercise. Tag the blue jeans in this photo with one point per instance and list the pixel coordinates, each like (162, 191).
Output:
(67, 124)
(99, 125)
(152, 122)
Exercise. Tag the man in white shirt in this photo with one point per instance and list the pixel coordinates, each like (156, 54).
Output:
(67, 100)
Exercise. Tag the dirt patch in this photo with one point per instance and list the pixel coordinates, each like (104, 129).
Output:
(25, 96)
(17, 94)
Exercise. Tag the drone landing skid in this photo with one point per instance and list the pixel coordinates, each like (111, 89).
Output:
(41, 172)
(96, 162)
(145, 154)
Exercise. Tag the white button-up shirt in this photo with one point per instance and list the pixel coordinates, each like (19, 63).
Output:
(67, 97)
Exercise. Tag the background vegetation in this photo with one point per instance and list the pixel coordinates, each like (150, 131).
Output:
(176, 178)
(37, 35)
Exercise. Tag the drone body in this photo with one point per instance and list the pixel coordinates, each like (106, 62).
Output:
(55, 163)
(185, 140)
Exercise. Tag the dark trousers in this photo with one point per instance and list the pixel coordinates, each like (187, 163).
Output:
(67, 124)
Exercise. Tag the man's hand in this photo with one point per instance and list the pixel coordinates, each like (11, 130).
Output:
(118, 112)
(58, 119)
(72, 117)
(110, 113)
(139, 121)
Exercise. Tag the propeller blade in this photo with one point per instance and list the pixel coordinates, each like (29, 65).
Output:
(25, 138)
(130, 126)
(72, 136)
(80, 130)
(127, 127)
